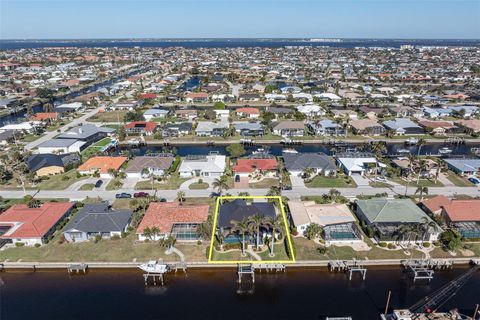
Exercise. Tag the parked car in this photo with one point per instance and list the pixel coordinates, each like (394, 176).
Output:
(163, 200)
(98, 184)
(381, 179)
(140, 195)
(474, 180)
(123, 195)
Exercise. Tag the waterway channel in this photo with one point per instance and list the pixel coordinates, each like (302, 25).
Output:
(299, 293)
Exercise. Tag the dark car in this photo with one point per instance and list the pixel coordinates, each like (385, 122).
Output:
(286, 188)
(140, 195)
(98, 184)
(163, 200)
(123, 195)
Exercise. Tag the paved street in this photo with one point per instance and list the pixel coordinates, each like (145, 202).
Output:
(295, 193)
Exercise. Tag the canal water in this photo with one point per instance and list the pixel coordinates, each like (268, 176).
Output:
(392, 149)
(212, 294)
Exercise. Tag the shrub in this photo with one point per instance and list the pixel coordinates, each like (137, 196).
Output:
(426, 244)
(19, 244)
(437, 243)
(123, 234)
(199, 242)
(115, 237)
(37, 245)
(322, 250)
(383, 244)
(391, 246)
(230, 246)
(97, 238)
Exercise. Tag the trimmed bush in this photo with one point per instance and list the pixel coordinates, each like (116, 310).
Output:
(391, 246)
(426, 244)
(383, 244)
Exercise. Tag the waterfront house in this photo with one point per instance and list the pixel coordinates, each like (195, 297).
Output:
(238, 210)
(247, 112)
(172, 219)
(45, 116)
(188, 114)
(212, 165)
(248, 129)
(434, 205)
(23, 127)
(176, 129)
(196, 97)
(254, 169)
(367, 127)
(7, 137)
(470, 126)
(386, 216)
(434, 113)
(250, 97)
(340, 113)
(280, 111)
(311, 110)
(325, 127)
(464, 216)
(402, 126)
(46, 164)
(361, 164)
(87, 133)
(155, 113)
(211, 129)
(97, 219)
(69, 107)
(147, 128)
(336, 219)
(297, 163)
(61, 146)
(439, 128)
(464, 167)
(429, 169)
(32, 226)
(144, 166)
(289, 128)
(102, 165)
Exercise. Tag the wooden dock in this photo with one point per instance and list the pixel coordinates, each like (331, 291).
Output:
(271, 267)
(245, 269)
(350, 267)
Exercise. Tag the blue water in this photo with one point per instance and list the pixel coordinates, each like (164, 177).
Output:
(230, 43)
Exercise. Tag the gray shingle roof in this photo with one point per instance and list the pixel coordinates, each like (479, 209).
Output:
(302, 161)
(99, 218)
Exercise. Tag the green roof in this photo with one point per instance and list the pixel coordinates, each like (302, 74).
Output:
(391, 210)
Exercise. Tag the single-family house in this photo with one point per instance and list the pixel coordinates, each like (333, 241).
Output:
(289, 128)
(439, 128)
(311, 110)
(176, 129)
(172, 219)
(145, 166)
(32, 226)
(325, 127)
(155, 113)
(248, 112)
(367, 127)
(61, 146)
(359, 165)
(383, 216)
(87, 133)
(249, 129)
(45, 164)
(102, 165)
(336, 219)
(196, 97)
(297, 163)
(464, 216)
(97, 219)
(470, 126)
(212, 165)
(147, 128)
(464, 167)
(211, 129)
(402, 126)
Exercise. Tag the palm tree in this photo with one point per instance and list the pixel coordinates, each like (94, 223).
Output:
(313, 230)
(155, 232)
(411, 164)
(220, 184)
(421, 142)
(47, 107)
(273, 191)
(257, 221)
(204, 229)
(275, 224)
(147, 233)
(421, 191)
(243, 228)
(422, 166)
(181, 196)
(427, 225)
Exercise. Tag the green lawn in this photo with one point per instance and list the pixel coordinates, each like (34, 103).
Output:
(321, 181)
(87, 187)
(60, 181)
(109, 116)
(114, 184)
(265, 183)
(103, 142)
(379, 185)
(172, 183)
(29, 137)
(458, 180)
(413, 183)
(198, 186)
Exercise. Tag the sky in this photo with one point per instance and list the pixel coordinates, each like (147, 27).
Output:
(404, 19)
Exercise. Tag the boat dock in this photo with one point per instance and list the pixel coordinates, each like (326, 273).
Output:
(77, 268)
(249, 269)
(351, 267)
(424, 269)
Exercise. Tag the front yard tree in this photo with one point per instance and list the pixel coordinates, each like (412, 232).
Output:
(275, 223)
(181, 197)
(313, 231)
(236, 150)
(220, 184)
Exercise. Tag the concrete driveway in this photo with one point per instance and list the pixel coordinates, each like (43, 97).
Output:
(129, 183)
(297, 182)
(360, 180)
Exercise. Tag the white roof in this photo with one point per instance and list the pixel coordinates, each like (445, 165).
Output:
(19, 126)
(356, 164)
(309, 108)
(306, 212)
(211, 163)
(328, 95)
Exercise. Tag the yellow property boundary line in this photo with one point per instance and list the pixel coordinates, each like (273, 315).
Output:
(285, 222)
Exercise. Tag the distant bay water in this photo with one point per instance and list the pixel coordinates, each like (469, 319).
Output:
(232, 43)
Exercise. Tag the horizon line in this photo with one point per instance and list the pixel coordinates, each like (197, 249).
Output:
(236, 38)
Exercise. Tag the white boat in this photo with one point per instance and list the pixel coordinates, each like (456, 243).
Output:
(403, 151)
(258, 151)
(154, 267)
(289, 151)
(445, 150)
(411, 141)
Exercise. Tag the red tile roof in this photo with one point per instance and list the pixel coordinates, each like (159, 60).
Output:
(250, 165)
(102, 164)
(463, 210)
(148, 96)
(436, 203)
(164, 214)
(32, 222)
(148, 126)
(39, 116)
(248, 110)
(197, 95)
